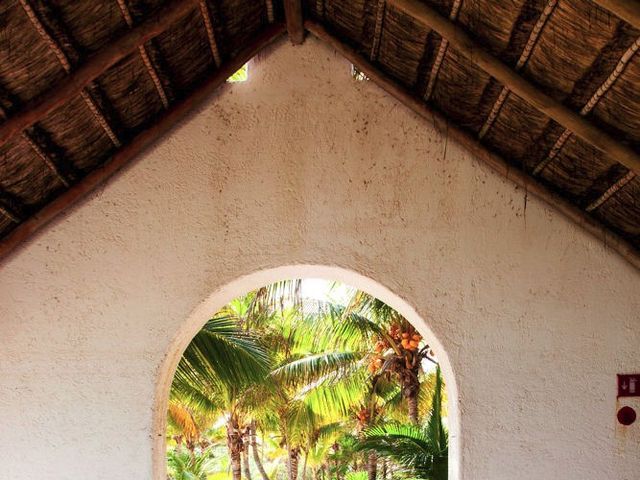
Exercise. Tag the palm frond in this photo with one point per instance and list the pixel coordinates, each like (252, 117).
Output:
(311, 368)
(182, 419)
(421, 451)
(221, 353)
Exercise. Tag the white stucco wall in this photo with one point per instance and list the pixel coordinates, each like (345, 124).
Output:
(303, 165)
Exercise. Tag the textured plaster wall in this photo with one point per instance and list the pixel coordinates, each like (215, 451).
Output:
(303, 165)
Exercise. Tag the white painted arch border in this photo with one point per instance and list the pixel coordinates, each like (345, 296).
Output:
(252, 281)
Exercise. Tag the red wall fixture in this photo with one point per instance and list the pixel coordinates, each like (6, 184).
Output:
(626, 416)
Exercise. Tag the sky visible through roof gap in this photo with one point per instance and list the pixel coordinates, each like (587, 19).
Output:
(241, 75)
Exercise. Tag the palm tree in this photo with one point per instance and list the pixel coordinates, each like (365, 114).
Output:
(316, 379)
(396, 349)
(421, 451)
(185, 466)
(220, 364)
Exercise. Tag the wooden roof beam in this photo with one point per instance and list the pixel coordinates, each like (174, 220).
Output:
(521, 179)
(569, 119)
(73, 84)
(147, 137)
(293, 16)
(627, 10)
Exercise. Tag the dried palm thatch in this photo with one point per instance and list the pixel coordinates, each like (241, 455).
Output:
(575, 51)
(162, 52)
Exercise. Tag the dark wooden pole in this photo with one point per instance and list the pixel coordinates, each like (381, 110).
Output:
(569, 119)
(73, 84)
(627, 10)
(293, 16)
(143, 140)
(582, 219)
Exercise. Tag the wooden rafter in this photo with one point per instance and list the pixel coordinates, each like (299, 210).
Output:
(581, 218)
(72, 85)
(66, 66)
(166, 121)
(442, 51)
(554, 109)
(627, 10)
(522, 61)
(591, 103)
(151, 70)
(293, 17)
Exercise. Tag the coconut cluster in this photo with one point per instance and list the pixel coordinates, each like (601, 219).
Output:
(406, 337)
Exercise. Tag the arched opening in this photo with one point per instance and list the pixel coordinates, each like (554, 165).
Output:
(252, 282)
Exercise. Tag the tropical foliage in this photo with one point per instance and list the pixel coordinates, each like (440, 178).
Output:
(278, 385)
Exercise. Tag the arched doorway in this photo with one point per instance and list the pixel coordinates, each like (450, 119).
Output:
(244, 284)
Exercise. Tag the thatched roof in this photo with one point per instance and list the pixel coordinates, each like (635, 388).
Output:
(547, 90)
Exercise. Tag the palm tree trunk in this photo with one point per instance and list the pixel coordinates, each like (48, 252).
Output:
(412, 402)
(256, 455)
(234, 444)
(304, 466)
(294, 454)
(384, 469)
(372, 466)
(245, 463)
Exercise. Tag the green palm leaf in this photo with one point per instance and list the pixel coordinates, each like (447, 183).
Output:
(312, 368)
(221, 356)
(421, 451)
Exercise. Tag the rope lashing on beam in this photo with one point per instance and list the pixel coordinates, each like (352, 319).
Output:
(591, 103)
(442, 51)
(151, 70)
(522, 61)
(377, 34)
(211, 35)
(66, 65)
(611, 191)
